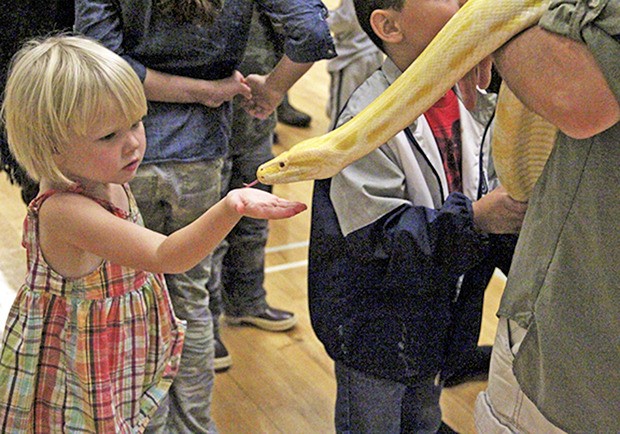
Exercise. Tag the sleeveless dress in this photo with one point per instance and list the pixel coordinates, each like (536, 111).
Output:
(91, 354)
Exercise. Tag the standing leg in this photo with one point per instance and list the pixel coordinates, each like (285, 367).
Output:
(222, 358)
(420, 408)
(171, 196)
(504, 408)
(367, 404)
(243, 271)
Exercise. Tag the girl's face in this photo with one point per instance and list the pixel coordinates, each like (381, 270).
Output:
(110, 153)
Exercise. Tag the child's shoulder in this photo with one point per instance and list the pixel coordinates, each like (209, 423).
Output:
(49, 196)
(58, 204)
(74, 202)
(485, 106)
(366, 93)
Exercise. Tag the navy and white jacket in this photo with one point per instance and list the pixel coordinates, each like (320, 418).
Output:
(397, 271)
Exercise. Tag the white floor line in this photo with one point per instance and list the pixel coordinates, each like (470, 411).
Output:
(284, 247)
(287, 266)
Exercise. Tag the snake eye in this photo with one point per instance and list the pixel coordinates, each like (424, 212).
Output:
(282, 164)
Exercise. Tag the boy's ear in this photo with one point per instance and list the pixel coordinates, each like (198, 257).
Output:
(385, 26)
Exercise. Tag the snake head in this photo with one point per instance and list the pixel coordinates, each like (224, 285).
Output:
(273, 170)
(311, 159)
(285, 168)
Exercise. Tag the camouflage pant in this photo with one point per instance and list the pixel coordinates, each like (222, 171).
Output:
(238, 290)
(170, 196)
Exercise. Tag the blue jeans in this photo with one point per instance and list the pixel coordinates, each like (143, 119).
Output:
(239, 262)
(368, 404)
(170, 196)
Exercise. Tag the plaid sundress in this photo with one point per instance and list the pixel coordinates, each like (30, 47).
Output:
(90, 354)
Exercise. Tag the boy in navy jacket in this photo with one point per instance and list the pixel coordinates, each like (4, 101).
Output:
(400, 245)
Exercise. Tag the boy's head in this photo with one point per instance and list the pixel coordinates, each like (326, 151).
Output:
(403, 28)
(57, 90)
(364, 10)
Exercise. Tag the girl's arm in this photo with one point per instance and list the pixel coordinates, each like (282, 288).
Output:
(75, 228)
(163, 87)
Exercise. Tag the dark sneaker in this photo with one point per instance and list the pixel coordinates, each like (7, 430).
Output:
(222, 360)
(271, 319)
(289, 115)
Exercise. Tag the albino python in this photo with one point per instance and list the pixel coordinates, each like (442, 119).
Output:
(521, 142)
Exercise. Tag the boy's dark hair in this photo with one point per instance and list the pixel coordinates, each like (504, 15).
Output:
(365, 8)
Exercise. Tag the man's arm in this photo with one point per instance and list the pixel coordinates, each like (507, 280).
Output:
(559, 79)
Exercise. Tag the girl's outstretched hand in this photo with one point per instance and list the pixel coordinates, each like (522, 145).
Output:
(258, 204)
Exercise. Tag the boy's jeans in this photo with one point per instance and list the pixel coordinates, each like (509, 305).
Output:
(367, 404)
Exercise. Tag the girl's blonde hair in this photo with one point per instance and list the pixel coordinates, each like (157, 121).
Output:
(58, 89)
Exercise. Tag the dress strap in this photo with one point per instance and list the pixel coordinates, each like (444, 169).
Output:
(78, 189)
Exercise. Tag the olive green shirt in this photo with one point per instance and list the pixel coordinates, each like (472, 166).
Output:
(564, 283)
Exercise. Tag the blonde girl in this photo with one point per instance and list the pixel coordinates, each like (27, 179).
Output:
(91, 343)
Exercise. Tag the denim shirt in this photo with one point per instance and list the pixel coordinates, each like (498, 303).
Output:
(146, 38)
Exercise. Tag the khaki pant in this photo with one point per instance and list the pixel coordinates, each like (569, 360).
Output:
(504, 408)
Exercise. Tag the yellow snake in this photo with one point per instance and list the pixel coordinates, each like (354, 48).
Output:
(478, 29)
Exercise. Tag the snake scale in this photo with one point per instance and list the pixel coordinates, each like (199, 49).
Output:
(522, 140)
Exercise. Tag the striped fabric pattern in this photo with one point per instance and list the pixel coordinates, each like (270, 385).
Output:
(92, 354)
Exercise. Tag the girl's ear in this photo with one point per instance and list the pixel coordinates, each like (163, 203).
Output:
(385, 26)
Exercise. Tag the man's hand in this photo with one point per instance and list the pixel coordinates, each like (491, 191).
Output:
(265, 99)
(214, 93)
